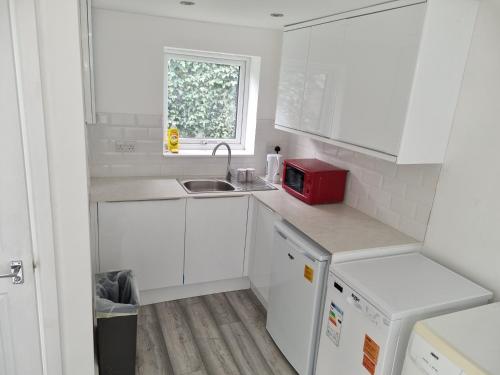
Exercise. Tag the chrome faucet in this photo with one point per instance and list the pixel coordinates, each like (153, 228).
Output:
(228, 173)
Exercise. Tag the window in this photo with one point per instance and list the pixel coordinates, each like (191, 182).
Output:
(206, 97)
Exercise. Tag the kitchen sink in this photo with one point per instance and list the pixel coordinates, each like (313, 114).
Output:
(206, 186)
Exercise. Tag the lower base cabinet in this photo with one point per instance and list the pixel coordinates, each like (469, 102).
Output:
(146, 237)
(215, 238)
(170, 243)
(262, 248)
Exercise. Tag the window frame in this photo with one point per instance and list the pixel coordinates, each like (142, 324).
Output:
(243, 62)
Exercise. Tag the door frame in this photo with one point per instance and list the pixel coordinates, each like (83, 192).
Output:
(61, 319)
(31, 115)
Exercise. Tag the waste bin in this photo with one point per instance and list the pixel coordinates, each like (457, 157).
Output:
(116, 307)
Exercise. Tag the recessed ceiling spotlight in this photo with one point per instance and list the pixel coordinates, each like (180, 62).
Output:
(186, 2)
(277, 15)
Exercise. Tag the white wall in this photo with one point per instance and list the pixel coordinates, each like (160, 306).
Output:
(464, 230)
(128, 64)
(59, 36)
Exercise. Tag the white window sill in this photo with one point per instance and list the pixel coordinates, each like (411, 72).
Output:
(203, 153)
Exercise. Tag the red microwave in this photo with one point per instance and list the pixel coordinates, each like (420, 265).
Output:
(314, 181)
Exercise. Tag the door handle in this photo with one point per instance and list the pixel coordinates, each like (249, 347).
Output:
(16, 272)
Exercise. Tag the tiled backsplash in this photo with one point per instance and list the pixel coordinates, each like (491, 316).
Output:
(398, 195)
(144, 134)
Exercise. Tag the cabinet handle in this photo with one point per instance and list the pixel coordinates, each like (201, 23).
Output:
(281, 234)
(224, 196)
(145, 200)
(291, 256)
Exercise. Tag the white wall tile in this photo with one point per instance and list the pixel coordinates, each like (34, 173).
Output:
(412, 228)
(403, 207)
(134, 133)
(410, 174)
(149, 120)
(423, 213)
(371, 178)
(394, 186)
(420, 194)
(398, 195)
(155, 133)
(387, 216)
(385, 168)
(123, 119)
(367, 204)
(148, 158)
(103, 118)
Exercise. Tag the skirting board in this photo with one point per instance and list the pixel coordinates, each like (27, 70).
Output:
(185, 291)
(258, 295)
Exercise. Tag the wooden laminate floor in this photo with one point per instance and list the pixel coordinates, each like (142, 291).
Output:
(210, 335)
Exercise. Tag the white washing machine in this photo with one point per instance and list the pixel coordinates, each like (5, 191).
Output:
(463, 343)
(372, 305)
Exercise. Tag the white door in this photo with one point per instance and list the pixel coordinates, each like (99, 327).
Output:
(19, 331)
(294, 306)
(380, 55)
(292, 77)
(146, 237)
(215, 238)
(260, 267)
(324, 77)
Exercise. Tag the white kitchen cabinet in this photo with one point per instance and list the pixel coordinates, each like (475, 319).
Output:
(292, 77)
(146, 237)
(262, 248)
(378, 64)
(383, 80)
(325, 69)
(215, 238)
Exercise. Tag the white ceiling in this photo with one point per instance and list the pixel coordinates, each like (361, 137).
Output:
(239, 12)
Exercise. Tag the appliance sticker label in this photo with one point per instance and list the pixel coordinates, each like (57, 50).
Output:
(308, 273)
(371, 349)
(334, 327)
(369, 365)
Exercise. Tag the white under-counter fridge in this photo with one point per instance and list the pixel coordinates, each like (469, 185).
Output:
(372, 304)
(299, 273)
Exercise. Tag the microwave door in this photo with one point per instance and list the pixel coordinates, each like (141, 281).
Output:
(294, 179)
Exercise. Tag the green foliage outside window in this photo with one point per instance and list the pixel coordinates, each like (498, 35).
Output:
(203, 98)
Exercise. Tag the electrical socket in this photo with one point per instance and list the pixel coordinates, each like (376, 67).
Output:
(125, 147)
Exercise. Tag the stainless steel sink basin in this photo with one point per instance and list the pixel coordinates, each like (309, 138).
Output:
(206, 186)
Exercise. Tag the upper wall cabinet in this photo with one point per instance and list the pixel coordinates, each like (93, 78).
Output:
(323, 75)
(383, 80)
(378, 61)
(292, 77)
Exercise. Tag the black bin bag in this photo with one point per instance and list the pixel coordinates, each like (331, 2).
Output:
(116, 308)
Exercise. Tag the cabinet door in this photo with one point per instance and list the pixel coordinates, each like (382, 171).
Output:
(292, 77)
(380, 55)
(260, 263)
(325, 67)
(215, 238)
(146, 237)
